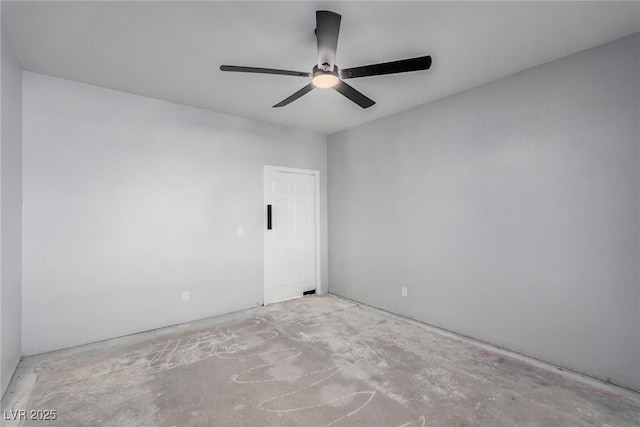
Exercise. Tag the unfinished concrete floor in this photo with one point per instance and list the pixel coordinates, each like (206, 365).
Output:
(315, 361)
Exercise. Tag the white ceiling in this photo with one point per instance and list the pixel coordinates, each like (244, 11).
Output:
(173, 50)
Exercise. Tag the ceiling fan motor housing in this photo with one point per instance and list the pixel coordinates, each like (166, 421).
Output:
(316, 70)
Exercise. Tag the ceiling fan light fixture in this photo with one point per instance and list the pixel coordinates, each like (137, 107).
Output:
(325, 79)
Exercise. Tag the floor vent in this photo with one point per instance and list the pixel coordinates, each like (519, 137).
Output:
(311, 292)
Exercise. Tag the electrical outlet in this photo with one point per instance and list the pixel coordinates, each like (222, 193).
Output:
(240, 231)
(185, 296)
(404, 291)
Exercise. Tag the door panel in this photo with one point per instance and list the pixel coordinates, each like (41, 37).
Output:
(290, 246)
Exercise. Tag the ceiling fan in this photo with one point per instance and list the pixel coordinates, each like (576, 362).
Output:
(327, 75)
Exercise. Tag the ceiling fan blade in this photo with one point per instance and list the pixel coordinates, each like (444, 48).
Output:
(327, 31)
(354, 95)
(308, 88)
(402, 66)
(263, 70)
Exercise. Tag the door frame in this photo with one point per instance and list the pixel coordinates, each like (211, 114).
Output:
(316, 175)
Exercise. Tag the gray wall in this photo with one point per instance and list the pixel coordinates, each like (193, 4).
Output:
(510, 211)
(10, 214)
(128, 201)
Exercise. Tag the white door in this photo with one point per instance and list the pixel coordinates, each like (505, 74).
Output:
(290, 233)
